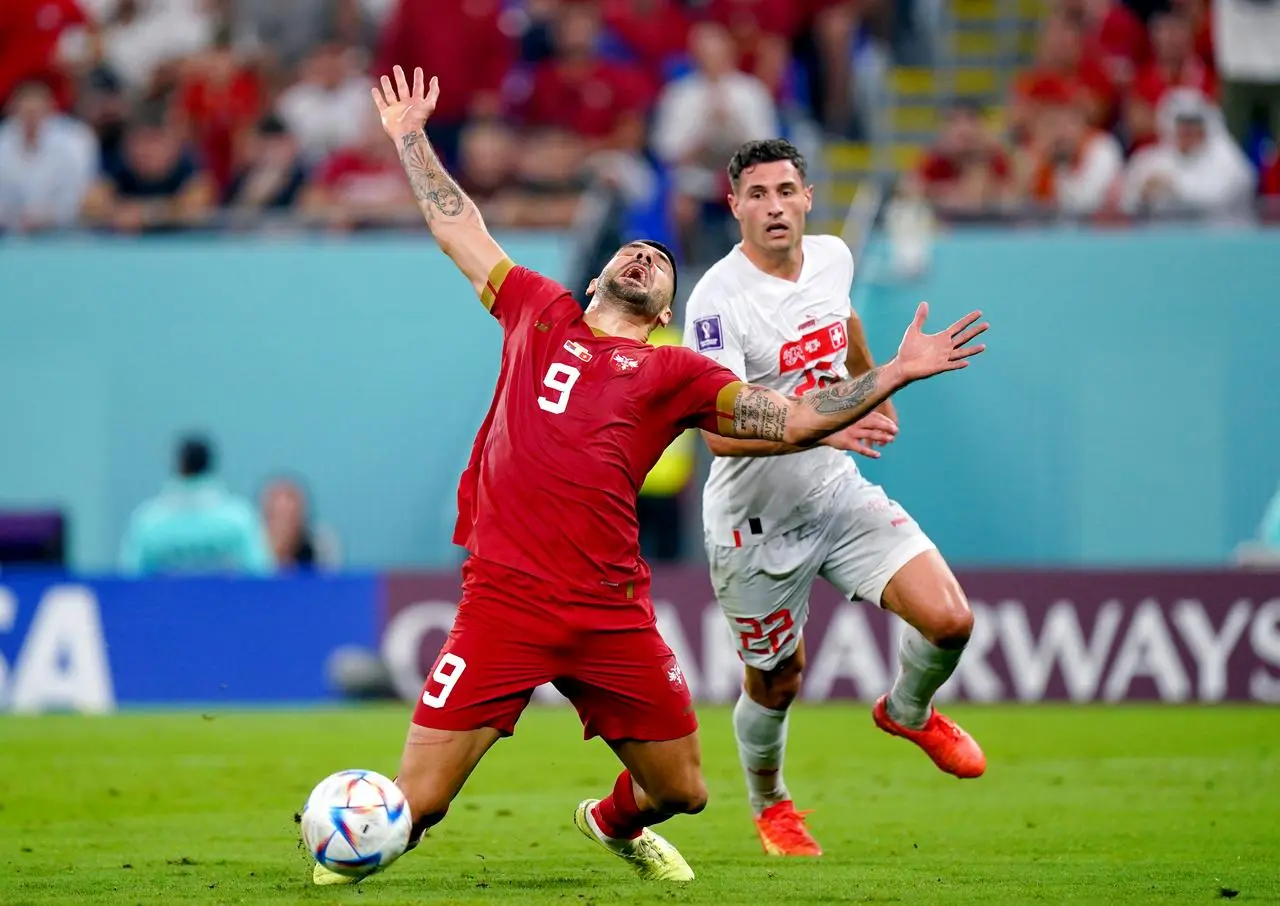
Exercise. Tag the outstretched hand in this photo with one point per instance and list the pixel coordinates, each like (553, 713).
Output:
(923, 355)
(404, 110)
(864, 435)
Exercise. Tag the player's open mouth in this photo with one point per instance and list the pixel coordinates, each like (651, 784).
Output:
(636, 272)
(777, 229)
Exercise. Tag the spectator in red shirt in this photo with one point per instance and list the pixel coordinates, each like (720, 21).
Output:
(219, 101)
(763, 31)
(654, 31)
(967, 172)
(462, 44)
(362, 185)
(1060, 59)
(603, 102)
(29, 35)
(1113, 35)
(1173, 65)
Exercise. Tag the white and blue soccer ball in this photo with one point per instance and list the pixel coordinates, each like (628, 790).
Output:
(356, 823)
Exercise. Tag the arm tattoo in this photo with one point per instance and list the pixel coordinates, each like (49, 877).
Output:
(756, 415)
(436, 191)
(843, 396)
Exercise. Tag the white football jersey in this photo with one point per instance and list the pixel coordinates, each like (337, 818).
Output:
(791, 337)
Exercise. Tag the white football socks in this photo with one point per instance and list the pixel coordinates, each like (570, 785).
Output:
(922, 669)
(762, 740)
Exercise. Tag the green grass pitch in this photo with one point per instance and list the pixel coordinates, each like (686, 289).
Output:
(1081, 805)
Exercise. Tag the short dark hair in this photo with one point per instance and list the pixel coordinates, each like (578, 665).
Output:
(195, 456)
(764, 151)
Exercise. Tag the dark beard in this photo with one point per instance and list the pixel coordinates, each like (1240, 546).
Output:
(634, 299)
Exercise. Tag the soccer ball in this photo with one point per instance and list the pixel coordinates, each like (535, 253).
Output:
(356, 823)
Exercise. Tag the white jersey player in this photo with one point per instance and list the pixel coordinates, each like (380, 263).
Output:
(776, 311)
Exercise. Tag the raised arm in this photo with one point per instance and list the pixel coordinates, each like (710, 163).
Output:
(761, 413)
(453, 218)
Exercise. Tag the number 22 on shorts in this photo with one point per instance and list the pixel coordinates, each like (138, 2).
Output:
(765, 636)
(447, 673)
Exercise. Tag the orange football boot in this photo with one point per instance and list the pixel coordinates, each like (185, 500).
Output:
(782, 831)
(951, 748)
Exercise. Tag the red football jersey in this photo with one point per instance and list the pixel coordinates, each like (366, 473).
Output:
(577, 421)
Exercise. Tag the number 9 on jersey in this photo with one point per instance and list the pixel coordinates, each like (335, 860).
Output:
(560, 379)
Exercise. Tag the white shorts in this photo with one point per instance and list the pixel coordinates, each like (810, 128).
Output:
(861, 539)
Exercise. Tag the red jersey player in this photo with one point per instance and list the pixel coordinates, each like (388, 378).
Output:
(554, 590)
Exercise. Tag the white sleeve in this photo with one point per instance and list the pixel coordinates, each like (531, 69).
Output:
(711, 329)
(1140, 168)
(1103, 161)
(758, 116)
(677, 128)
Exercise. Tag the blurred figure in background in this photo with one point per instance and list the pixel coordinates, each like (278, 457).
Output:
(362, 185)
(329, 104)
(762, 31)
(1068, 165)
(30, 32)
(270, 175)
(105, 108)
(1061, 65)
(1174, 64)
(701, 119)
(654, 32)
(219, 99)
(47, 163)
(550, 179)
(295, 543)
(195, 526)
(281, 33)
(966, 173)
(463, 44)
(1246, 45)
(155, 185)
(144, 40)
(1195, 168)
(1113, 35)
(602, 101)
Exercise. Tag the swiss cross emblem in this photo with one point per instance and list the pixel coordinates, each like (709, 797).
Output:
(836, 331)
(623, 363)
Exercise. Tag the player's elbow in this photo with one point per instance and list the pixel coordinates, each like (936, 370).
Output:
(718, 445)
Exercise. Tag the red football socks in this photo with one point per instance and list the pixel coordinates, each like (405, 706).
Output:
(617, 814)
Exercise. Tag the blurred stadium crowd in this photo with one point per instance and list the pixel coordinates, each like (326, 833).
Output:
(152, 115)
(1150, 106)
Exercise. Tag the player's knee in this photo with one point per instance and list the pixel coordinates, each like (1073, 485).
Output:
(952, 625)
(781, 690)
(686, 796)
(778, 687)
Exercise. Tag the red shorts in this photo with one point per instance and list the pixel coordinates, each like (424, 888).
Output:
(511, 636)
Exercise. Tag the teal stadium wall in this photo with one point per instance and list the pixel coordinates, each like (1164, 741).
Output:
(1125, 413)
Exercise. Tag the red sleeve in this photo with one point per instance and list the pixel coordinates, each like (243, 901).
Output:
(391, 41)
(935, 168)
(1148, 86)
(699, 399)
(1000, 165)
(515, 295)
(497, 56)
(335, 168)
